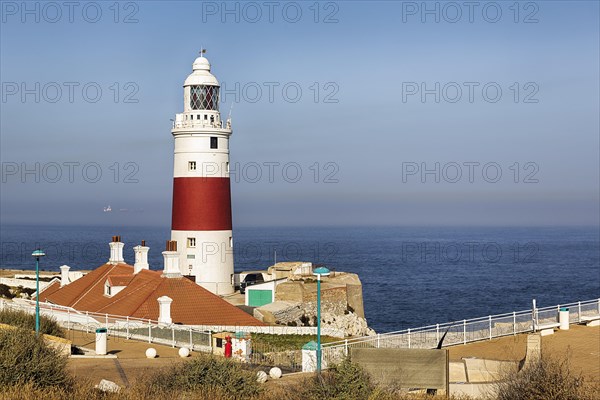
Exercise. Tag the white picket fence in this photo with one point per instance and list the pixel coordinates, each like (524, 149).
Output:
(463, 332)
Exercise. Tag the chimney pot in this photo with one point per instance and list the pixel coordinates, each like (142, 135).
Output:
(164, 309)
(141, 257)
(171, 260)
(64, 275)
(116, 251)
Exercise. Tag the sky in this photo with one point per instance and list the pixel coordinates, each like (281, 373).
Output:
(344, 113)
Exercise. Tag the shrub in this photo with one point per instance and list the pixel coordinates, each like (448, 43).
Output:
(344, 381)
(25, 320)
(546, 379)
(5, 291)
(26, 359)
(208, 373)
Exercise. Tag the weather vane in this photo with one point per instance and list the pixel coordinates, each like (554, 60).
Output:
(202, 51)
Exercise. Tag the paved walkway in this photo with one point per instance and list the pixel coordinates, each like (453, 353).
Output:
(131, 361)
(580, 343)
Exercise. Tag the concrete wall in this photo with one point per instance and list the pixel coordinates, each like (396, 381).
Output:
(26, 283)
(405, 368)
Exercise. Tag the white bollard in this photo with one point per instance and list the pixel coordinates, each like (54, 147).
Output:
(563, 319)
(261, 376)
(275, 373)
(184, 352)
(151, 353)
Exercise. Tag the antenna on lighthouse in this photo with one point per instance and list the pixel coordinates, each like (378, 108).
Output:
(202, 51)
(228, 124)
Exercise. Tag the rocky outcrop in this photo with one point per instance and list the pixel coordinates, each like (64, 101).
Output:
(305, 314)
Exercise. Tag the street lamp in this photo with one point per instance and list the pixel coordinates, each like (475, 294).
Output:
(37, 254)
(320, 271)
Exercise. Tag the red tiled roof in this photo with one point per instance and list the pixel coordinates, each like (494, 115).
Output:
(52, 287)
(192, 304)
(119, 280)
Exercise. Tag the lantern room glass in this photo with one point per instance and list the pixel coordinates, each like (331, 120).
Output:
(204, 97)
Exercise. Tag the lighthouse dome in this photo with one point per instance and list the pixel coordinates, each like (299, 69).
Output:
(201, 74)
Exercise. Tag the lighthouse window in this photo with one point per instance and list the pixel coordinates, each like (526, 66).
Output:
(204, 97)
(214, 143)
(191, 242)
(192, 165)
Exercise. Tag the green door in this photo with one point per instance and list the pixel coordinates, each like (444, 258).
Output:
(257, 298)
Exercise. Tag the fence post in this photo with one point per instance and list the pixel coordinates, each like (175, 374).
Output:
(87, 322)
(173, 335)
(346, 347)
(514, 323)
(579, 312)
(127, 332)
(437, 333)
(191, 341)
(68, 319)
(106, 320)
(490, 325)
(464, 331)
(149, 332)
(378, 337)
(409, 338)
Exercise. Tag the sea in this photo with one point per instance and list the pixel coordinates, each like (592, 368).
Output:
(411, 276)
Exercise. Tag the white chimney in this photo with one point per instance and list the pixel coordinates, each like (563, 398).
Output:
(116, 251)
(141, 257)
(164, 310)
(171, 257)
(64, 275)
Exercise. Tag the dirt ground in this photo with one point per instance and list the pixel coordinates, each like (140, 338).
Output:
(581, 344)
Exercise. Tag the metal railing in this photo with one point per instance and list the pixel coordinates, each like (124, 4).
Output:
(120, 326)
(463, 332)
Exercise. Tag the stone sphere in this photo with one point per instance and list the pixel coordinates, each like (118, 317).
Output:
(275, 373)
(184, 352)
(261, 376)
(151, 353)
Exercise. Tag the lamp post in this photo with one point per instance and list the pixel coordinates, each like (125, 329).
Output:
(320, 271)
(37, 254)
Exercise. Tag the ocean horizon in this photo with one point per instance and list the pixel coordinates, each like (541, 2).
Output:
(412, 276)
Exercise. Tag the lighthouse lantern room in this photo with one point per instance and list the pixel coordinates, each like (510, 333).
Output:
(201, 216)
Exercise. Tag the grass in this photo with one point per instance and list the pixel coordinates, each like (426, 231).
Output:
(285, 342)
(25, 320)
(25, 359)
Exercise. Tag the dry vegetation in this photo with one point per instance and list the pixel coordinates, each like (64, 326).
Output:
(26, 320)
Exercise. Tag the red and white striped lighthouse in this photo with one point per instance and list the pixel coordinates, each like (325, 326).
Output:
(201, 219)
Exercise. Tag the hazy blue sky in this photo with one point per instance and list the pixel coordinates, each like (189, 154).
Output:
(367, 129)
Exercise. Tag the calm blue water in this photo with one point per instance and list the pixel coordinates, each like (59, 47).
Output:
(411, 276)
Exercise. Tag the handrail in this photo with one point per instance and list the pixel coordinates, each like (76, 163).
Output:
(447, 325)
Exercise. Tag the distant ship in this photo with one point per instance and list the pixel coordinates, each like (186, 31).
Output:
(107, 209)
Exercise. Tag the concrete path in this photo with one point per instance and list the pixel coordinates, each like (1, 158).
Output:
(131, 361)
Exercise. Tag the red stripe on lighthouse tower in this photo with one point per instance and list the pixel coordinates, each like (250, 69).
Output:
(201, 204)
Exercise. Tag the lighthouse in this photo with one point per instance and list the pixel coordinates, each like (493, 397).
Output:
(201, 216)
